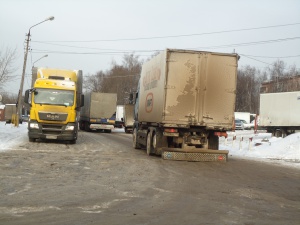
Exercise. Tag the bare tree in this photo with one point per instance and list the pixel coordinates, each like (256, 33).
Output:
(8, 98)
(120, 79)
(7, 58)
(123, 79)
(248, 85)
(94, 82)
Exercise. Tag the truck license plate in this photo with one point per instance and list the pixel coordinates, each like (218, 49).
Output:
(51, 137)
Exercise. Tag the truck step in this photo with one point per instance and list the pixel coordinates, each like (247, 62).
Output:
(195, 156)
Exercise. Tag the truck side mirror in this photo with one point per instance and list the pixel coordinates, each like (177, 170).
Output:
(79, 102)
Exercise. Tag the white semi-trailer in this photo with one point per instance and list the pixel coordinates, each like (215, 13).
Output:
(185, 101)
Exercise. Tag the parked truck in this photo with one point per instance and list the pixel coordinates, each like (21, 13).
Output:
(98, 112)
(279, 113)
(55, 100)
(128, 117)
(185, 101)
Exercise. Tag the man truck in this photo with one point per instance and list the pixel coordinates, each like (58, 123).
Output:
(55, 100)
(185, 101)
(98, 112)
(279, 113)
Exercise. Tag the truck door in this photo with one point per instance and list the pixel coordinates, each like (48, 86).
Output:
(181, 88)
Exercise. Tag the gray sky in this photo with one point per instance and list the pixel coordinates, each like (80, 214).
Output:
(90, 34)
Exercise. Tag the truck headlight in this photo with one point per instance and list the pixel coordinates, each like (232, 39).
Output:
(70, 127)
(34, 126)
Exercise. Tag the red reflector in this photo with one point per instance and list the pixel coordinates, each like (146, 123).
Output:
(171, 130)
(220, 157)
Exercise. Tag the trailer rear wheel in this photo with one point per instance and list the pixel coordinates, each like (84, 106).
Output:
(135, 144)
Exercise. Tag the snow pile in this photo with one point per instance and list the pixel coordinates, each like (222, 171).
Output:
(11, 136)
(262, 145)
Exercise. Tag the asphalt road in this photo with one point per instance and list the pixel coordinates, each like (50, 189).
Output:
(103, 180)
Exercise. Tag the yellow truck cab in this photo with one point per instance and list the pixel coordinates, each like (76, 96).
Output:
(55, 100)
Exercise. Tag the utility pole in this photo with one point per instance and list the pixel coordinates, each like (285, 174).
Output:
(19, 103)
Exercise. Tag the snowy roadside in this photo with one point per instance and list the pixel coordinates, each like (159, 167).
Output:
(11, 136)
(242, 144)
(263, 147)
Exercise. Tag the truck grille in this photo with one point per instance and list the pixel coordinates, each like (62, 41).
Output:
(50, 116)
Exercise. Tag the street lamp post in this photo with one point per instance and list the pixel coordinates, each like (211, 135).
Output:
(39, 60)
(34, 70)
(23, 73)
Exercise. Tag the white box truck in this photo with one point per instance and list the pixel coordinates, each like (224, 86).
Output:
(185, 101)
(98, 112)
(279, 113)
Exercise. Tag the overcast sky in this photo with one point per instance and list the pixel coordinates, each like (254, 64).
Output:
(90, 34)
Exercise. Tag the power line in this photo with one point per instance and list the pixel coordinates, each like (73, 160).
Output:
(185, 35)
(251, 43)
(118, 52)
(273, 57)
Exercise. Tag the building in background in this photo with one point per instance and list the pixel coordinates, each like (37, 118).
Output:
(286, 84)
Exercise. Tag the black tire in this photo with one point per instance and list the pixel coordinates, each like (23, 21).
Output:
(81, 125)
(87, 126)
(158, 141)
(135, 144)
(278, 133)
(213, 141)
(31, 139)
(149, 147)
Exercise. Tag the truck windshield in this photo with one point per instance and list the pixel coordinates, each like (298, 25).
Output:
(53, 97)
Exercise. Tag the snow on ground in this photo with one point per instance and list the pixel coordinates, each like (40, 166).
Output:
(244, 144)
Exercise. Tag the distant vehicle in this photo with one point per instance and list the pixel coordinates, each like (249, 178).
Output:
(25, 118)
(247, 126)
(239, 125)
(98, 112)
(279, 113)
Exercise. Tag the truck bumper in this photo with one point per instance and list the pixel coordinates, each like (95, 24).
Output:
(202, 155)
(53, 132)
(63, 136)
(95, 126)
